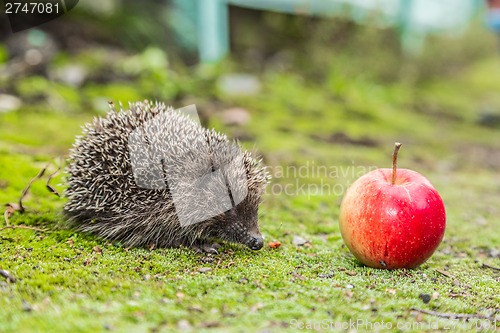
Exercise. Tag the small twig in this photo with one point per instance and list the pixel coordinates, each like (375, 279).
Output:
(456, 315)
(445, 273)
(8, 213)
(7, 275)
(27, 188)
(490, 267)
(22, 227)
(11, 208)
(452, 295)
(50, 187)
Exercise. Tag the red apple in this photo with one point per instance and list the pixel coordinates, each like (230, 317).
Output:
(392, 218)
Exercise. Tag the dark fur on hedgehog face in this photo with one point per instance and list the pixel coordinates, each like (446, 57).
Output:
(240, 224)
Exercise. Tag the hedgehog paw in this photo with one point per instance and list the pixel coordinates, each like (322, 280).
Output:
(206, 248)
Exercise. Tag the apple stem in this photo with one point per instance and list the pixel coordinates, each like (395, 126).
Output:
(397, 145)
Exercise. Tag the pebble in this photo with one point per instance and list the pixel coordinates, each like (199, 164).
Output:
(425, 298)
(298, 241)
(489, 120)
(235, 116)
(239, 84)
(204, 269)
(9, 103)
(73, 74)
(183, 325)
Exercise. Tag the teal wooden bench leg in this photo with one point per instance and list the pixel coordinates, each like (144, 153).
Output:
(213, 30)
(182, 17)
(411, 42)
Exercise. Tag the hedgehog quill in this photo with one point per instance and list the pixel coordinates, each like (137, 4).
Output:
(150, 175)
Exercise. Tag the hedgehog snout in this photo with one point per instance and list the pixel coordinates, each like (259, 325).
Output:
(256, 242)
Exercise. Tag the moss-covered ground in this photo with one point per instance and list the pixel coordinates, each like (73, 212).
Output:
(317, 138)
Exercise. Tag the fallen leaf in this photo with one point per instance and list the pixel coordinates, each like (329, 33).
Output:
(27, 307)
(298, 276)
(7, 276)
(274, 245)
(195, 308)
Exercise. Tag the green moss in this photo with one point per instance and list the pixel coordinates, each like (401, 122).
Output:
(67, 281)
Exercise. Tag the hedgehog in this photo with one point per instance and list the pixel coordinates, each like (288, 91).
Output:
(152, 176)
